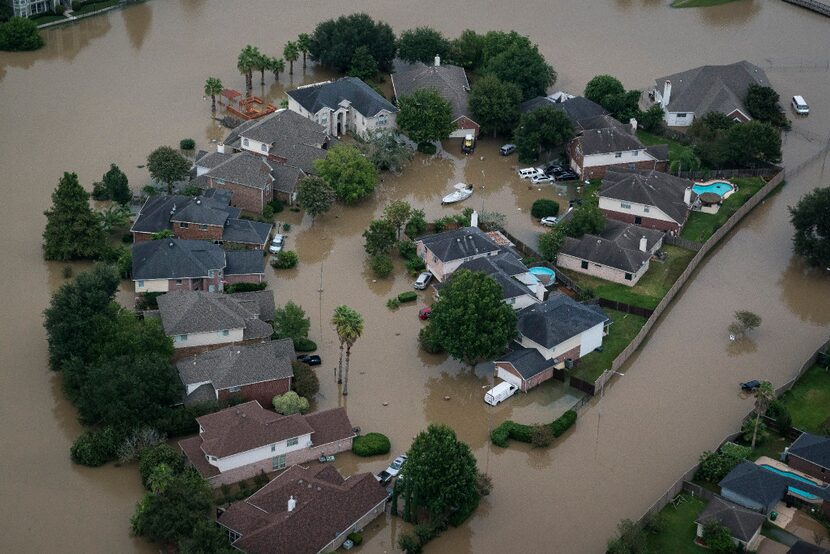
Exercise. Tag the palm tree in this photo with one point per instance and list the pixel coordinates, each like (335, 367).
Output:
(304, 44)
(213, 86)
(764, 395)
(277, 65)
(261, 63)
(349, 326)
(114, 217)
(245, 64)
(291, 52)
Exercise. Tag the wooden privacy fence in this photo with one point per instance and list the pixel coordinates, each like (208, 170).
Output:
(683, 243)
(623, 307)
(729, 173)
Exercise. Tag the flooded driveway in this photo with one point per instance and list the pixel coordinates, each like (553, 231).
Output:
(112, 88)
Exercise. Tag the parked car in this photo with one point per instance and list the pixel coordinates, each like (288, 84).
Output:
(309, 359)
(575, 202)
(530, 172)
(800, 105)
(468, 144)
(423, 280)
(500, 393)
(424, 313)
(507, 149)
(550, 221)
(566, 175)
(750, 386)
(554, 168)
(395, 467)
(277, 244)
(383, 477)
(541, 179)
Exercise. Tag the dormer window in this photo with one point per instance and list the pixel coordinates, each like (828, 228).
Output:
(245, 142)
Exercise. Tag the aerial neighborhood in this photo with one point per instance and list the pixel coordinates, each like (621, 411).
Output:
(392, 257)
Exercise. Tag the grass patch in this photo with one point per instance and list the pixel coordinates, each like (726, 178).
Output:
(701, 226)
(87, 8)
(650, 289)
(771, 448)
(698, 3)
(676, 149)
(623, 329)
(678, 535)
(47, 19)
(809, 400)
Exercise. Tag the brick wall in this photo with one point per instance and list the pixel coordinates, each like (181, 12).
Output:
(809, 468)
(601, 271)
(181, 353)
(598, 172)
(142, 237)
(192, 232)
(249, 199)
(467, 124)
(263, 392)
(646, 221)
(252, 278)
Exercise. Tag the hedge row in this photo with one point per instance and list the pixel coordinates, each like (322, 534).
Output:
(408, 296)
(371, 444)
(245, 287)
(524, 433)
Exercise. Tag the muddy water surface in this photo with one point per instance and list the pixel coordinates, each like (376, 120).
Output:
(112, 88)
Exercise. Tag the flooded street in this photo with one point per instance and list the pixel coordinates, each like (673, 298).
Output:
(112, 88)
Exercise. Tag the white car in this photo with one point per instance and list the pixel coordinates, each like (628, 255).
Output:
(541, 179)
(395, 467)
(550, 221)
(276, 244)
(423, 280)
(530, 172)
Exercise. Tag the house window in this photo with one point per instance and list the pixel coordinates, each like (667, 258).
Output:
(511, 301)
(635, 153)
(625, 205)
(183, 225)
(434, 258)
(628, 276)
(381, 121)
(244, 142)
(178, 281)
(233, 535)
(180, 338)
(141, 284)
(618, 154)
(292, 442)
(646, 209)
(681, 116)
(278, 462)
(203, 227)
(224, 333)
(263, 148)
(273, 448)
(234, 389)
(584, 264)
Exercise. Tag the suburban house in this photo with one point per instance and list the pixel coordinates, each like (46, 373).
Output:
(178, 264)
(304, 510)
(761, 487)
(342, 106)
(451, 83)
(519, 287)
(198, 321)
(603, 143)
(709, 88)
(577, 108)
(744, 525)
(648, 198)
(250, 372)
(241, 441)
(248, 177)
(804, 547)
(199, 218)
(443, 253)
(551, 336)
(811, 455)
(28, 8)
(619, 253)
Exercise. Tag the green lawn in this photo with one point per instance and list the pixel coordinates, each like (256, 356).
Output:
(771, 448)
(678, 536)
(809, 400)
(48, 19)
(87, 8)
(701, 226)
(623, 329)
(650, 289)
(675, 148)
(698, 3)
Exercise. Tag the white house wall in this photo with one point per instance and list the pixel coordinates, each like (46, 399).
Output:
(630, 156)
(673, 120)
(591, 339)
(258, 454)
(204, 339)
(523, 301)
(254, 146)
(636, 209)
(152, 285)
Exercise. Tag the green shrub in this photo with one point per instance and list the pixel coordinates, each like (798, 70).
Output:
(60, 9)
(500, 435)
(305, 382)
(407, 249)
(537, 435)
(541, 436)
(416, 225)
(408, 296)
(95, 448)
(245, 287)
(460, 516)
(429, 340)
(100, 191)
(277, 205)
(563, 423)
(715, 465)
(415, 265)
(371, 444)
(187, 144)
(410, 543)
(159, 454)
(356, 538)
(181, 420)
(544, 208)
(521, 433)
(286, 227)
(268, 212)
(127, 238)
(427, 148)
(381, 265)
(285, 259)
(290, 403)
(303, 344)
(393, 303)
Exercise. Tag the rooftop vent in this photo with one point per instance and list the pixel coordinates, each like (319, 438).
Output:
(170, 244)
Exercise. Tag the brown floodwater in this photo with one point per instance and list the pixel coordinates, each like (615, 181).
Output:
(111, 88)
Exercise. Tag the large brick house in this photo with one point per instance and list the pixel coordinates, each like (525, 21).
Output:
(443, 253)
(241, 441)
(603, 143)
(199, 218)
(620, 252)
(251, 372)
(177, 264)
(649, 198)
(247, 176)
(199, 321)
(551, 336)
(578, 109)
(451, 83)
(304, 510)
(810, 454)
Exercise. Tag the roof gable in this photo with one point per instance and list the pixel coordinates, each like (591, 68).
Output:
(651, 188)
(712, 88)
(556, 320)
(176, 259)
(363, 98)
(449, 80)
(460, 243)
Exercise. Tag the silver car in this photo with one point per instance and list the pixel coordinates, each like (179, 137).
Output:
(276, 244)
(423, 280)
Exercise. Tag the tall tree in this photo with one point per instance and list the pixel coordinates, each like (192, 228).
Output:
(261, 62)
(334, 42)
(467, 50)
(348, 172)
(811, 220)
(764, 395)
(380, 237)
(762, 104)
(470, 318)
(167, 166)
(545, 127)
(114, 217)
(19, 34)
(603, 86)
(277, 65)
(315, 196)
(245, 64)
(383, 148)
(495, 104)
(291, 322)
(587, 218)
(522, 64)
(608, 92)
(551, 242)
(422, 44)
(73, 231)
(116, 184)
(349, 326)
(397, 214)
(213, 86)
(304, 44)
(752, 142)
(364, 66)
(425, 116)
(291, 52)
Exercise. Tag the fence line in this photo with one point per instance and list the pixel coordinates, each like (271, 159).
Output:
(623, 307)
(683, 243)
(728, 173)
(818, 7)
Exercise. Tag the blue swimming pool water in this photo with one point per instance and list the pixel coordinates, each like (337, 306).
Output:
(805, 494)
(720, 188)
(542, 271)
(789, 474)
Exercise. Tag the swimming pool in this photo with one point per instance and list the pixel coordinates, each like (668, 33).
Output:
(805, 494)
(544, 274)
(790, 475)
(721, 188)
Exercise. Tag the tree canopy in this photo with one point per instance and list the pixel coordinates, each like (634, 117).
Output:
(334, 42)
(470, 319)
(291, 322)
(113, 186)
(495, 104)
(587, 218)
(363, 65)
(468, 49)
(514, 59)
(425, 116)
(167, 166)
(380, 237)
(397, 213)
(73, 231)
(608, 92)
(762, 104)
(752, 142)
(551, 242)
(385, 151)
(544, 127)
(315, 196)
(422, 44)
(19, 34)
(810, 218)
(348, 173)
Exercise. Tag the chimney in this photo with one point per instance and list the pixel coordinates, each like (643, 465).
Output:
(474, 219)
(687, 196)
(291, 504)
(220, 148)
(643, 243)
(437, 61)
(666, 95)
(633, 123)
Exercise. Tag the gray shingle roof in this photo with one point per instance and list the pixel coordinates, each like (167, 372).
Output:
(501, 268)
(244, 262)
(659, 152)
(617, 246)
(263, 300)
(184, 312)
(201, 211)
(175, 259)
(286, 176)
(213, 159)
(158, 211)
(303, 156)
(764, 486)
(244, 168)
(556, 320)
(449, 80)
(280, 128)
(239, 365)
(652, 188)
(527, 361)
(607, 140)
(245, 231)
(459, 243)
(712, 88)
(742, 523)
(813, 448)
(363, 98)
(578, 108)
(804, 547)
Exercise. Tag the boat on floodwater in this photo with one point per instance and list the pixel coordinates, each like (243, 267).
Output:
(462, 192)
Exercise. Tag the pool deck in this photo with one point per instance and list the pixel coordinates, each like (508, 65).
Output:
(765, 460)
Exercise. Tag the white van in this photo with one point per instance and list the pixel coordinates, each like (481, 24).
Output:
(530, 172)
(800, 105)
(499, 393)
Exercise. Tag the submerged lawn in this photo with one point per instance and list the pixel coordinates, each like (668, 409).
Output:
(678, 536)
(701, 226)
(809, 400)
(698, 3)
(87, 8)
(623, 329)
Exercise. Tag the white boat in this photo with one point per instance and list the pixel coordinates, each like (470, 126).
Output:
(462, 192)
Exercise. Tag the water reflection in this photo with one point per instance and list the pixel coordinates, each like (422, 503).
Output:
(813, 307)
(738, 347)
(138, 19)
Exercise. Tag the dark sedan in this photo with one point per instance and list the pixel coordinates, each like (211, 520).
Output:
(309, 359)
